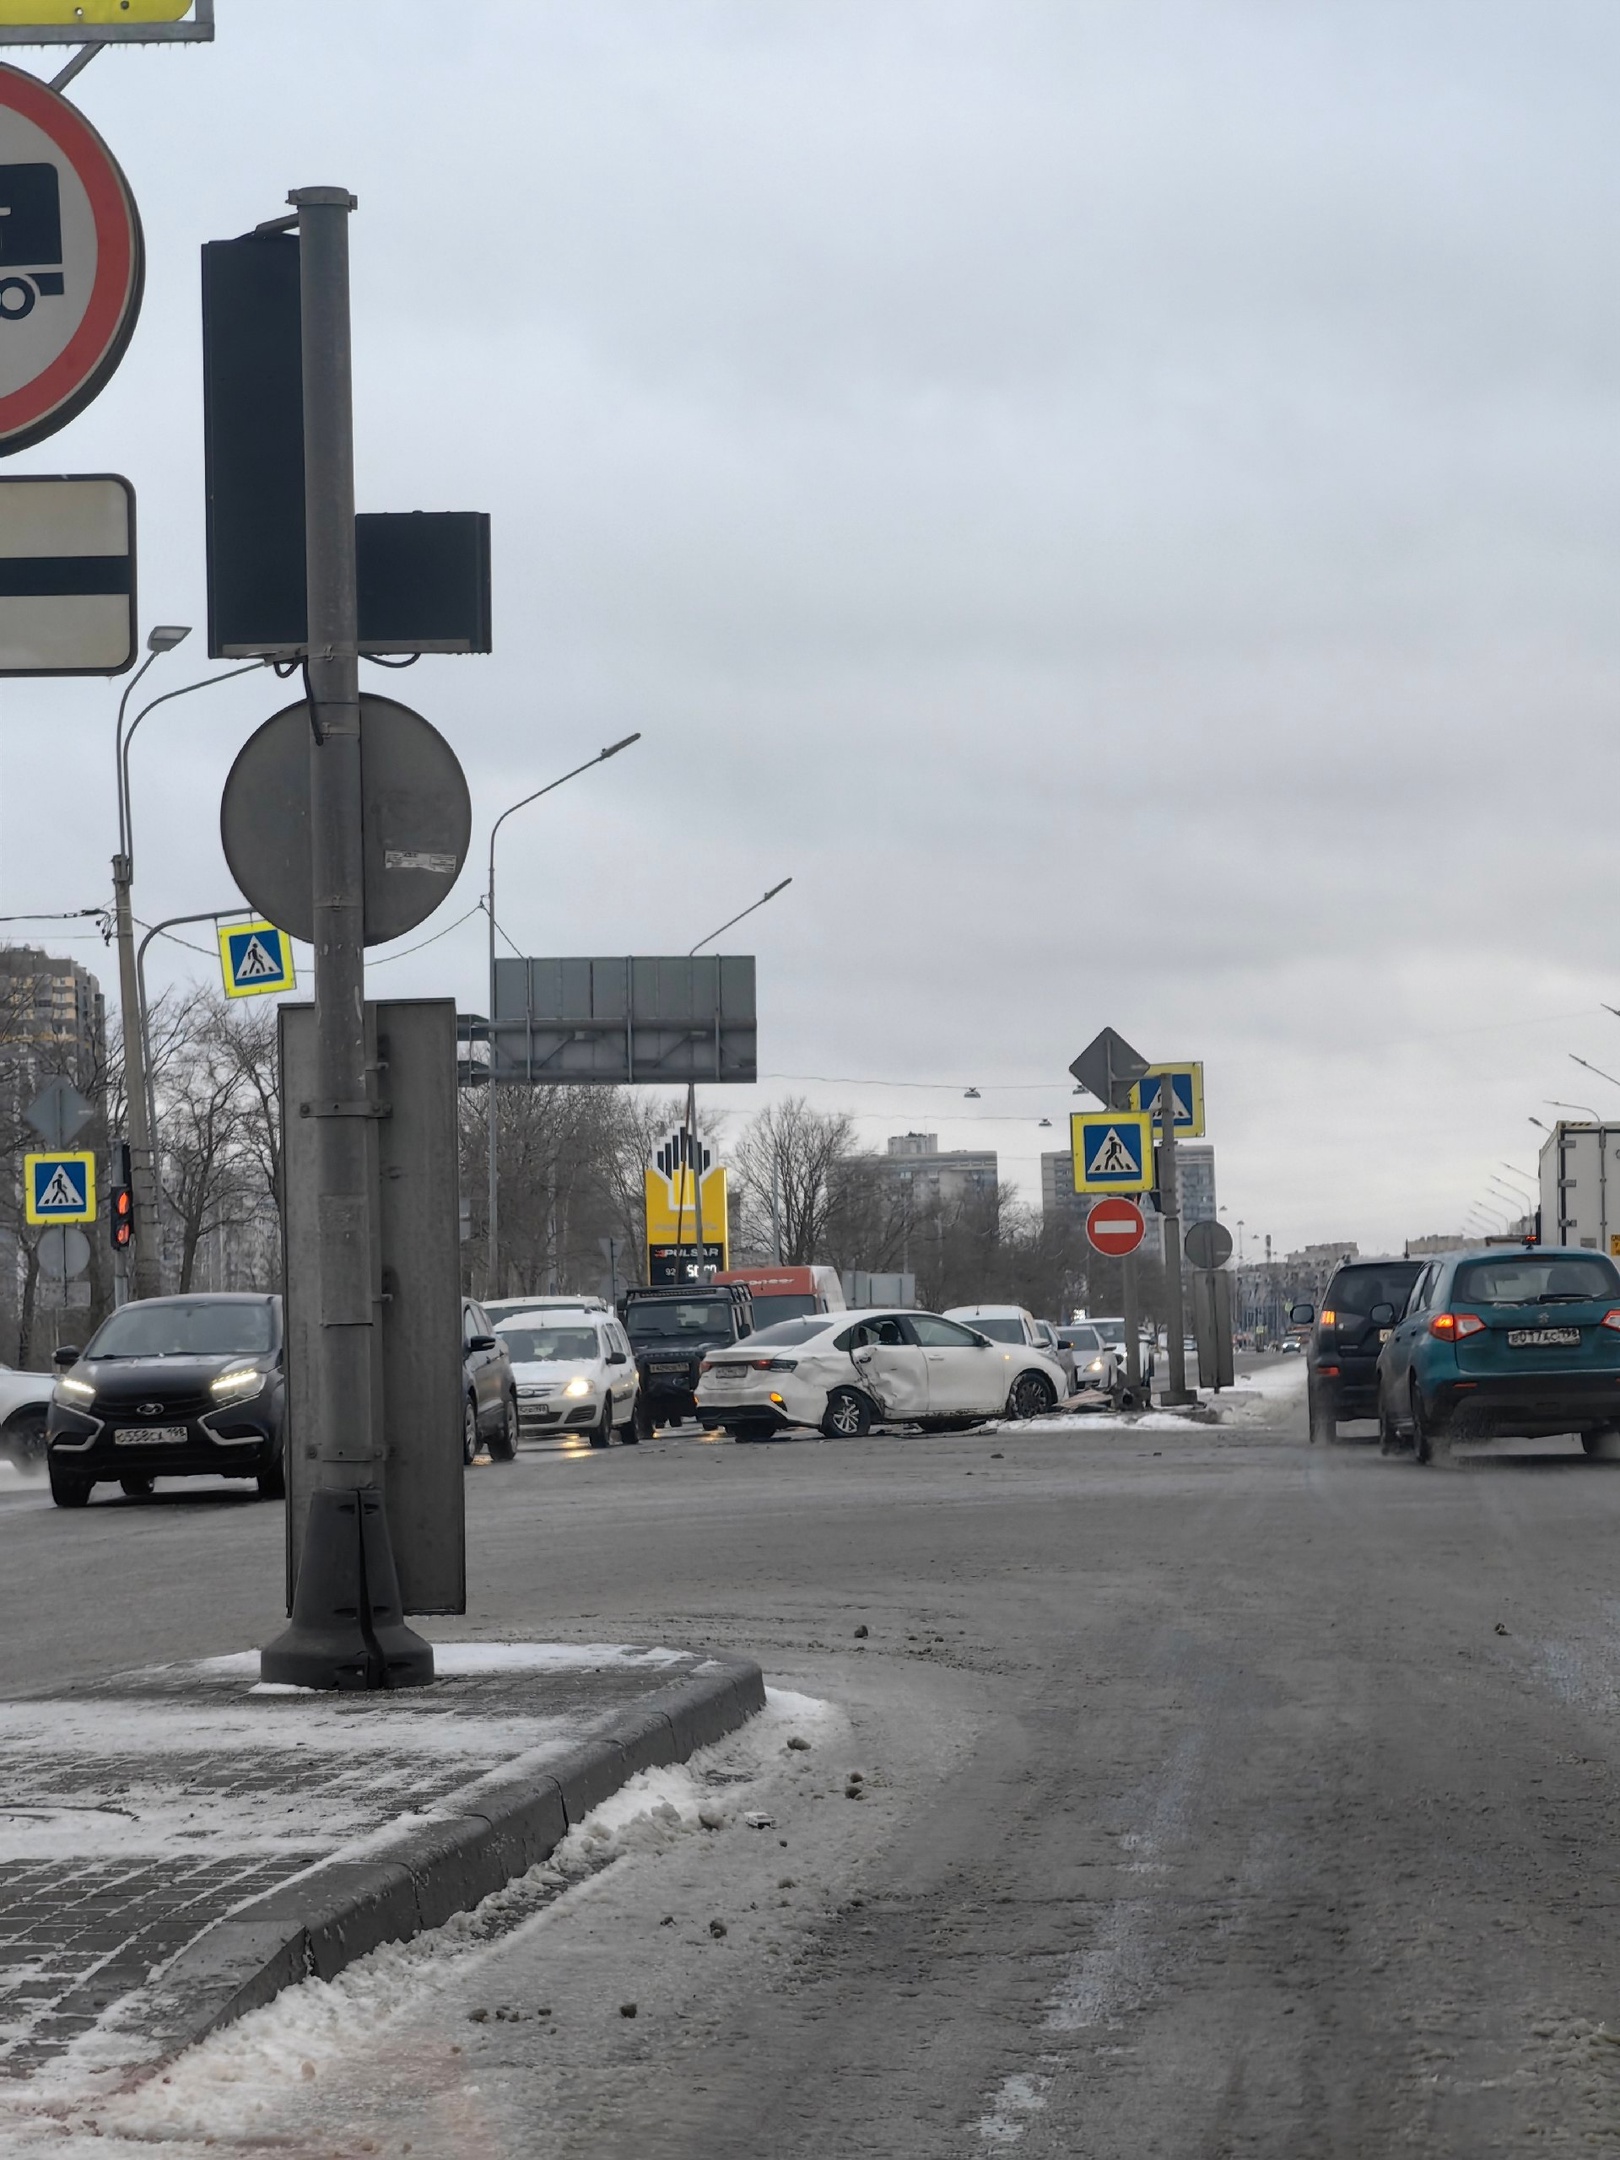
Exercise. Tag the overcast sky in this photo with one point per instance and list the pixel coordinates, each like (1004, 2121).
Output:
(1117, 498)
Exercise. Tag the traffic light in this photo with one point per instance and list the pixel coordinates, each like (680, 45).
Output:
(121, 1220)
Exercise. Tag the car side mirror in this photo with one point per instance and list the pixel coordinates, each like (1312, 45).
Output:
(1302, 1315)
(616, 1357)
(1382, 1315)
(69, 1354)
(482, 1342)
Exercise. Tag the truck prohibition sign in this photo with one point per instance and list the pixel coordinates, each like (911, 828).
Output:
(1115, 1226)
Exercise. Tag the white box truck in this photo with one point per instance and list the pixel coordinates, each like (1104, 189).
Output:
(1580, 1187)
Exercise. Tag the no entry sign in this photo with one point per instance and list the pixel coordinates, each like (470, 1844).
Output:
(71, 261)
(1115, 1226)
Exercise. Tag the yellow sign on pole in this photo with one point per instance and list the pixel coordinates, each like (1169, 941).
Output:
(1113, 1150)
(60, 1187)
(672, 1219)
(255, 958)
(89, 14)
(1186, 1084)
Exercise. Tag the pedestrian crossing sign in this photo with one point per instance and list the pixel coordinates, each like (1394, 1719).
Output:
(60, 1188)
(1186, 1083)
(255, 958)
(1113, 1150)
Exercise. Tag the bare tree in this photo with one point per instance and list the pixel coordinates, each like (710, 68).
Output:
(790, 1162)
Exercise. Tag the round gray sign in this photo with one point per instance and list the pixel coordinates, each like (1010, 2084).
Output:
(64, 1251)
(417, 819)
(1207, 1244)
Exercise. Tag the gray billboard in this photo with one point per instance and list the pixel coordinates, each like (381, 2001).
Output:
(614, 1021)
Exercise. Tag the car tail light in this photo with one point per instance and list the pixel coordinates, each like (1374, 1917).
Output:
(706, 1366)
(1611, 1319)
(1456, 1326)
(1328, 1372)
(776, 1364)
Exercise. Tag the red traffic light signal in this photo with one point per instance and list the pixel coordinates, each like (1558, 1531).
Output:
(123, 1218)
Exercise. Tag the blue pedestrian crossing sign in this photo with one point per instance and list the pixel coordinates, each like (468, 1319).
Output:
(1186, 1084)
(60, 1188)
(255, 958)
(1113, 1150)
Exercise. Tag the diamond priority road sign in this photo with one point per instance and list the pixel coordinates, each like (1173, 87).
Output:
(1115, 1226)
(71, 261)
(1108, 1068)
(60, 1187)
(67, 571)
(255, 959)
(1113, 1150)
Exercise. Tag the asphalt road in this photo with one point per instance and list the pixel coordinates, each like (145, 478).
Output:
(1218, 1795)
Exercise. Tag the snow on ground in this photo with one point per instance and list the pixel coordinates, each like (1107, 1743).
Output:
(681, 1894)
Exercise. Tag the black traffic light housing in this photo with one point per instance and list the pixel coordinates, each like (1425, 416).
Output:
(121, 1216)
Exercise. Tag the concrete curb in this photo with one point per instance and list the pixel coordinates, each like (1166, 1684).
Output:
(493, 1830)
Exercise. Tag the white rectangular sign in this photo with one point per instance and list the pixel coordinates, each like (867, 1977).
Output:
(67, 574)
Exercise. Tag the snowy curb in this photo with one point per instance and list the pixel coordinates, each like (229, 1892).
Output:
(493, 1830)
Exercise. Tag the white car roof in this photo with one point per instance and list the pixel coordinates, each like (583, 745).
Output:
(987, 1312)
(554, 1312)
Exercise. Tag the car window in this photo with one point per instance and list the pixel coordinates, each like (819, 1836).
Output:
(669, 1319)
(1531, 1278)
(1354, 1291)
(883, 1333)
(187, 1327)
(538, 1345)
(937, 1334)
(792, 1331)
(1002, 1327)
(1080, 1338)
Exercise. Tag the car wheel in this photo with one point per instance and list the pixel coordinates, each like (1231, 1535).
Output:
(641, 1421)
(630, 1431)
(1390, 1441)
(601, 1432)
(69, 1490)
(1427, 1446)
(469, 1430)
(847, 1416)
(24, 1438)
(273, 1480)
(1604, 1444)
(1031, 1396)
(137, 1488)
(504, 1445)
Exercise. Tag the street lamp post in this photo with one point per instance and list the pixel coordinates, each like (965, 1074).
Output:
(691, 1089)
(492, 1255)
(146, 1275)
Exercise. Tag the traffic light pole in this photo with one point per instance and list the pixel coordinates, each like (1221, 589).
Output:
(347, 1628)
(1170, 1210)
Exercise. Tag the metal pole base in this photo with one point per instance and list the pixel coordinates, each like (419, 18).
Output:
(1177, 1398)
(347, 1629)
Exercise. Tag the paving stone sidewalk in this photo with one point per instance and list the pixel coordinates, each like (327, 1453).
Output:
(140, 1812)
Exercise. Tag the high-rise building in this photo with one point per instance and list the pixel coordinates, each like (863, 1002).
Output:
(53, 1017)
(934, 1176)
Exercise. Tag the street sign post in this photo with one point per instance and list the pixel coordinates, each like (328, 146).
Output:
(67, 574)
(255, 959)
(60, 1187)
(71, 261)
(1109, 1068)
(1113, 1150)
(1186, 1083)
(1115, 1226)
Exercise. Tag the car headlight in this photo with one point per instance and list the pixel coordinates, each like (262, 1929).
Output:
(576, 1388)
(1096, 1365)
(238, 1386)
(69, 1390)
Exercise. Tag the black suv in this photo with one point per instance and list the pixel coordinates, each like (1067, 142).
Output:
(671, 1330)
(1363, 1302)
(171, 1387)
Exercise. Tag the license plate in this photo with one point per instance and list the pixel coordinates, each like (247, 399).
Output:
(667, 1368)
(726, 1373)
(1537, 1338)
(150, 1436)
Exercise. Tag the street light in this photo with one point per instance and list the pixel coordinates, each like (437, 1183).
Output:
(691, 1089)
(492, 1260)
(1585, 1109)
(1591, 1068)
(147, 1274)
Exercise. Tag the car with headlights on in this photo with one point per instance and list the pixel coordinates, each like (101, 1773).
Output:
(1504, 1344)
(843, 1373)
(171, 1387)
(574, 1373)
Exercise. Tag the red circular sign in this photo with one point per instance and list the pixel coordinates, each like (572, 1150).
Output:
(71, 261)
(1115, 1226)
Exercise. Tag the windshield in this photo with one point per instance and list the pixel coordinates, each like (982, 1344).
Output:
(678, 1317)
(549, 1345)
(1359, 1289)
(1531, 1279)
(1111, 1331)
(1080, 1338)
(188, 1327)
(790, 1305)
(791, 1331)
(999, 1329)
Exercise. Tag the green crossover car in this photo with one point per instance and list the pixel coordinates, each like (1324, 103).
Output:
(1504, 1344)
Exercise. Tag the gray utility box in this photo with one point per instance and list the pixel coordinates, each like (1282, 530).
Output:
(1580, 1187)
(1212, 1325)
(417, 1363)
